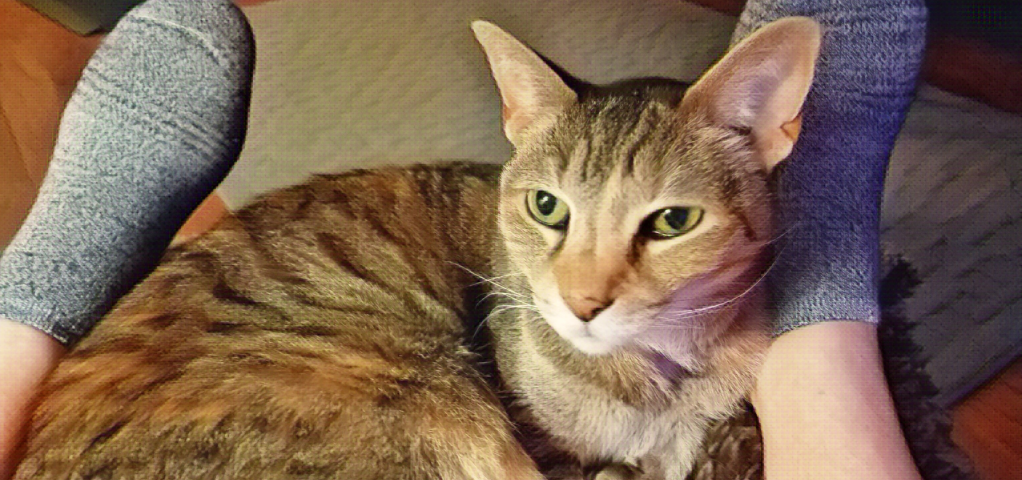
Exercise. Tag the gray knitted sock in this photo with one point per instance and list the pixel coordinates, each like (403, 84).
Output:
(154, 125)
(831, 185)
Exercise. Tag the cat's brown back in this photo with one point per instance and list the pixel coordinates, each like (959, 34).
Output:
(317, 335)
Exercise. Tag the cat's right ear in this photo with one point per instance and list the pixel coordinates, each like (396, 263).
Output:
(531, 92)
(761, 84)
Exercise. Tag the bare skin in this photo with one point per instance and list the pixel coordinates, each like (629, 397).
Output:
(825, 409)
(27, 356)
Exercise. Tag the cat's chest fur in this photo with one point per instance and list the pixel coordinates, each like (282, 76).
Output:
(593, 421)
(629, 409)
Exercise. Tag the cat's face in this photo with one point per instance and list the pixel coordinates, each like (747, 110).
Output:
(636, 209)
(627, 217)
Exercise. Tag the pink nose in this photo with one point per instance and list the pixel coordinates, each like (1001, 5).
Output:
(587, 308)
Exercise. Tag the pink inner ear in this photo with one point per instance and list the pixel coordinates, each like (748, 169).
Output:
(509, 109)
(505, 112)
(514, 89)
(793, 127)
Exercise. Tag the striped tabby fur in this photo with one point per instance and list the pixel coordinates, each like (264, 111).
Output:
(330, 330)
(315, 335)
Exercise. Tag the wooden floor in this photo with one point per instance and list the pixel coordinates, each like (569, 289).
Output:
(988, 426)
(41, 63)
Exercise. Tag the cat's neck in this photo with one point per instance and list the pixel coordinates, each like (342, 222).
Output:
(642, 374)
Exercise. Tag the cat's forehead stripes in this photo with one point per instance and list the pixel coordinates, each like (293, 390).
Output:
(621, 148)
(636, 133)
(603, 134)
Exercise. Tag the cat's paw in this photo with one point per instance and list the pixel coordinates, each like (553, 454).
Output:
(617, 471)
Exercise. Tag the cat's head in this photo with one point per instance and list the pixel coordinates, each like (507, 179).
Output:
(633, 209)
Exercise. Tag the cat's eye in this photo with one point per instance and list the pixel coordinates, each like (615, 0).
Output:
(547, 209)
(672, 222)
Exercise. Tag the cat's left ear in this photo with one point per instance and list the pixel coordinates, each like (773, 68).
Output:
(761, 84)
(532, 93)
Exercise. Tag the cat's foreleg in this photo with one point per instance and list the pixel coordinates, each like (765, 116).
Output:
(674, 461)
(619, 471)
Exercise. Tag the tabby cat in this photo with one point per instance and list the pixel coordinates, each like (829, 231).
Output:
(326, 331)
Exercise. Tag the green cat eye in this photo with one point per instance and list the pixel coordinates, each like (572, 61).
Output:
(547, 209)
(674, 221)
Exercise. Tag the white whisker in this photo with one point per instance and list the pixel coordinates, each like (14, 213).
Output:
(491, 281)
(500, 309)
(689, 313)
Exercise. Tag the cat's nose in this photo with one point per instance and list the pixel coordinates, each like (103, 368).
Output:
(587, 308)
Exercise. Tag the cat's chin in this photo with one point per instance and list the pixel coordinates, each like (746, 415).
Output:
(592, 346)
(584, 337)
(581, 337)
